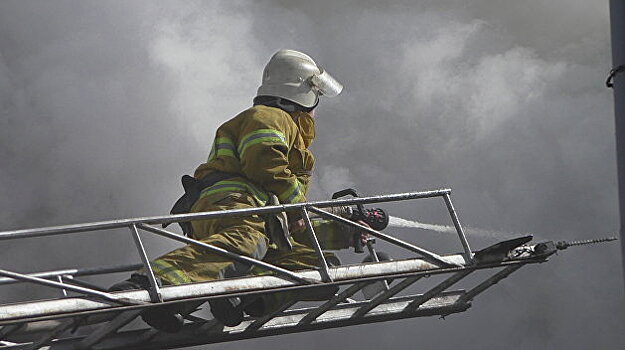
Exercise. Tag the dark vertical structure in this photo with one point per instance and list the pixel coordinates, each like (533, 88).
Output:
(617, 24)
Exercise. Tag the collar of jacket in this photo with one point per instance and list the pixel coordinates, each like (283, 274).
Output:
(306, 125)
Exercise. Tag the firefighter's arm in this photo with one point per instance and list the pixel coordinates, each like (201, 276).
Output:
(331, 235)
(263, 150)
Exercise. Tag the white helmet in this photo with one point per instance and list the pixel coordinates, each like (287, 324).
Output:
(294, 76)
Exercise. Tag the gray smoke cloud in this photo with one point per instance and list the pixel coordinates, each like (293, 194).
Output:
(105, 104)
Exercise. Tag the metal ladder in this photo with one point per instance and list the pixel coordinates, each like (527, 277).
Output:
(95, 318)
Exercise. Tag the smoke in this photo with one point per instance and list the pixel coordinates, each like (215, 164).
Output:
(104, 105)
(330, 179)
(211, 71)
(103, 111)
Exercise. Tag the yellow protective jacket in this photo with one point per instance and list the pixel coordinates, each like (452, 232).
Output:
(268, 148)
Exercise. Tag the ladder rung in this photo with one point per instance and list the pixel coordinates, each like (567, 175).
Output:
(418, 301)
(110, 327)
(313, 314)
(264, 319)
(65, 325)
(379, 299)
(490, 282)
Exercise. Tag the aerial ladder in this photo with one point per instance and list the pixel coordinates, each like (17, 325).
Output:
(87, 316)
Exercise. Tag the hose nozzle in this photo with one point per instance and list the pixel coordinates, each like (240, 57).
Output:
(561, 245)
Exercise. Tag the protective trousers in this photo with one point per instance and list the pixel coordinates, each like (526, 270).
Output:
(240, 235)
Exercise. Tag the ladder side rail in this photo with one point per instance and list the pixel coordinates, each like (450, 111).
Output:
(427, 255)
(74, 306)
(75, 272)
(153, 220)
(62, 286)
(77, 306)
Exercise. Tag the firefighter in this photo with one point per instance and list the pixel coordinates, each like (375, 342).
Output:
(261, 153)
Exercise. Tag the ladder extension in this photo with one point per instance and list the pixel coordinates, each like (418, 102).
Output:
(93, 318)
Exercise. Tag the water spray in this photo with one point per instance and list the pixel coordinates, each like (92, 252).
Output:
(404, 223)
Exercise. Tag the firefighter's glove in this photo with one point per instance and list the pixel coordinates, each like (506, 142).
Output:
(297, 226)
(362, 235)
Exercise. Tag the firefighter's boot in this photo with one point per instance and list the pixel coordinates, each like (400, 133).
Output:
(227, 311)
(163, 318)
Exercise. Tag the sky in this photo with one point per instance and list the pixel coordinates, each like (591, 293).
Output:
(105, 104)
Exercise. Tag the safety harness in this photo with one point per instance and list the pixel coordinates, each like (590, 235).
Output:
(192, 190)
(276, 225)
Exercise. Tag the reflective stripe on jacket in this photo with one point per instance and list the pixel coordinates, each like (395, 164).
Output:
(237, 184)
(268, 147)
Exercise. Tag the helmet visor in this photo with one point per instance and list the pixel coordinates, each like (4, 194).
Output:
(326, 84)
